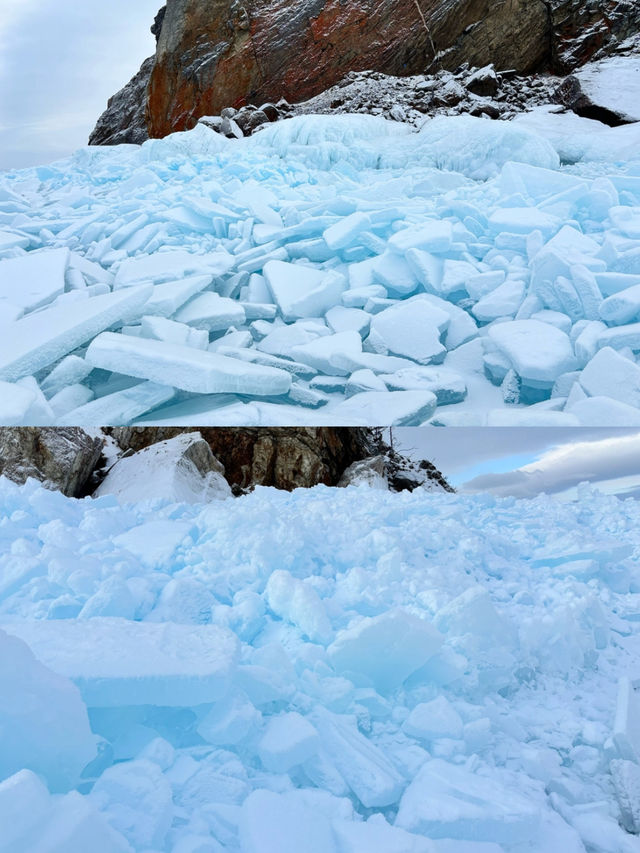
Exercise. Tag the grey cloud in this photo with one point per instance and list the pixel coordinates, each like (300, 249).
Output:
(59, 64)
(597, 461)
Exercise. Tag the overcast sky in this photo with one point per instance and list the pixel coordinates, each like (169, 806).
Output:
(59, 63)
(524, 462)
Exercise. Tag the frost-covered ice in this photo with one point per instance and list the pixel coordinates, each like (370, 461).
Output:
(279, 279)
(332, 670)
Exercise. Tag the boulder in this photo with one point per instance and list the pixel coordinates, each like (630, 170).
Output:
(607, 91)
(180, 469)
(370, 472)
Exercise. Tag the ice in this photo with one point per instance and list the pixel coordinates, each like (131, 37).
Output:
(167, 298)
(449, 801)
(341, 319)
(610, 374)
(70, 371)
(121, 407)
(323, 352)
(604, 411)
(523, 220)
(626, 728)
(24, 803)
(626, 780)
(376, 836)
(34, 279)
(346, 232)
(211, 312)
(70, 398)
(154, 542)
(411, 329)
(504, 301)
(366, 769)
(447, 385)
(33, 820)
(172, 265)
(341, 656)
(298, 603)
(302, 291)
(538, 352)
(136, 799)
(385, 649)
(479, 149)
(621, 337)
(397, 408)
(323, 225)
(435, 719)
(289, 740)
(184, 367)
(16, 404)
(37, 702)
(230, 721)
(434, 236)
(173, 332)
(166, 664)
(39, 340)
(175, 469)
(283, 823)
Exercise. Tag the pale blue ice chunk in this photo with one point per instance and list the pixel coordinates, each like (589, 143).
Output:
(37, 341)
(184, 367)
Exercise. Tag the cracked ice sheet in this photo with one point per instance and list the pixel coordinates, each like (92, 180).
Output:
(460, 228)
(235, 700)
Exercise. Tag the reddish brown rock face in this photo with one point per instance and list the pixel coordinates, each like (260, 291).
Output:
(217, 53)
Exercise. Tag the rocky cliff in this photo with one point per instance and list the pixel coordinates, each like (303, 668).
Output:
(69, 459)
(213, 54)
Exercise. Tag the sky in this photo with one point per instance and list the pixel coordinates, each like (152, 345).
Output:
(59, 64)
(522, 462)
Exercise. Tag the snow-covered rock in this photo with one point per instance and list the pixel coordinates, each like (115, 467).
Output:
(182, 469)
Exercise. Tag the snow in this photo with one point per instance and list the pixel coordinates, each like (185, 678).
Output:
(613, 83)
(165, 469)
(313, 228)
(350, 668)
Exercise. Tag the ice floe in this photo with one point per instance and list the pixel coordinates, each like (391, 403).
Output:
(340, 250)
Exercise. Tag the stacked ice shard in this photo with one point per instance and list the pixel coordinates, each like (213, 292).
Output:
(332, 670)
(328, 269)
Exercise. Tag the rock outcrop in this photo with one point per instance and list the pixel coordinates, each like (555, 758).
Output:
(124, 120)
(284, 458)
(62, 458)
(226, 53)
(193, 465)
(214, 54)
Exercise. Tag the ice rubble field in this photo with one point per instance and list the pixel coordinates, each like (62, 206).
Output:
(328, 671)
(329, 269)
